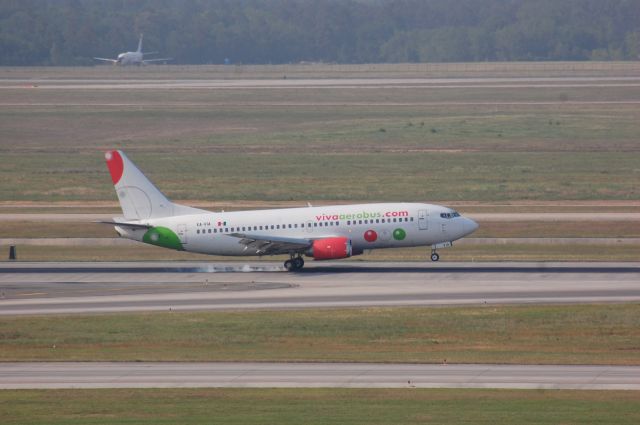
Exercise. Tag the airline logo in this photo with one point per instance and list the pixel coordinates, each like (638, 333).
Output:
(362, 215)
(115, 165)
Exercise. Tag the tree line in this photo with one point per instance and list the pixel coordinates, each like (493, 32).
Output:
(71, 32)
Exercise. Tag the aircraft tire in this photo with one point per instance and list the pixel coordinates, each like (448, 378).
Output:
(288, 265)
(298, 263)
(435, 256)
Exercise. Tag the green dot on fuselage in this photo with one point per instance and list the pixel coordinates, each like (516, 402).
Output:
(399, 234)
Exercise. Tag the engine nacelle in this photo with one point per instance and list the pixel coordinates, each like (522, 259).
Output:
(330, 249)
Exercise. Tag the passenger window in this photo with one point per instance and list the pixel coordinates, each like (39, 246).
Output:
(295, 225)
(273, 227)
(315, 224)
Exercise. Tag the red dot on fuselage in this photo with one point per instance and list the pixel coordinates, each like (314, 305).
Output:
(370, 236)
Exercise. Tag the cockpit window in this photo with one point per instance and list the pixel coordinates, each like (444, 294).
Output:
(450, 215)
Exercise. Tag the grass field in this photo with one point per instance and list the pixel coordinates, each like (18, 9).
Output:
(318, 406)
(588, 334)
(372, 143)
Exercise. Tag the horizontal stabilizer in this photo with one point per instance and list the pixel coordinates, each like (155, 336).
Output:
(124, 224)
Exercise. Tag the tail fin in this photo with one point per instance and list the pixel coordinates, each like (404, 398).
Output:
(140, 44)
(139, 198)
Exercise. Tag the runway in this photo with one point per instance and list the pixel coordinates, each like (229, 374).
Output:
(314, 375)
(68, 288)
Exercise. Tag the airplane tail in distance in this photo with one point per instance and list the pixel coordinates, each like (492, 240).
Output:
(140, 44)
(139, 198)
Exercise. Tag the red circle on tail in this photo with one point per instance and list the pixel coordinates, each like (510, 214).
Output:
(115, 165)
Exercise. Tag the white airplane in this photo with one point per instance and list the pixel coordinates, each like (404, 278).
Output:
(134, 58)
(322, 233)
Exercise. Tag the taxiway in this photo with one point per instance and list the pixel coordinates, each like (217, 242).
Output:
(315, 375)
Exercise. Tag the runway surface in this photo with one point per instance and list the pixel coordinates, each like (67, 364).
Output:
(305, 83)
(315, 375)
(56, 288)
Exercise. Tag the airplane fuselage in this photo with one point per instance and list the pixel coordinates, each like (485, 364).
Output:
(367, 226)
(130, 58)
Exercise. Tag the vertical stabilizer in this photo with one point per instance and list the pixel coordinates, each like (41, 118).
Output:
(139, 198)
(140, 44)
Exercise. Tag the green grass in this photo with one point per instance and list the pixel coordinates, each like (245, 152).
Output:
(325, 143)
(318, 406)
(588, 334)
(363, 176)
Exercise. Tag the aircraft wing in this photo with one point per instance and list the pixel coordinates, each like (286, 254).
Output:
(107, 60)
(157, 60)
(272, 245)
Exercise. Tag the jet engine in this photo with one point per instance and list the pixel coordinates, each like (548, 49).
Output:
(330, 249)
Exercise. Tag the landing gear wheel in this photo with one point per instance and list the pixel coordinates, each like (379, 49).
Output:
(435, 256)
(294, 264)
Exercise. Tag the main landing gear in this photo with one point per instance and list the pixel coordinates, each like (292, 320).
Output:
(294, 264)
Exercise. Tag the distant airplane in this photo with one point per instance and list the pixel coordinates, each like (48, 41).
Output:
(134, 58)
(322, 233)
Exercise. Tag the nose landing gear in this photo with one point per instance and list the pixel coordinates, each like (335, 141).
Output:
(294, 264)
(434, 254)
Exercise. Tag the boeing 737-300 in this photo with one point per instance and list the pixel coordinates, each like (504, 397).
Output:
(321, 233)
(134, 58)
